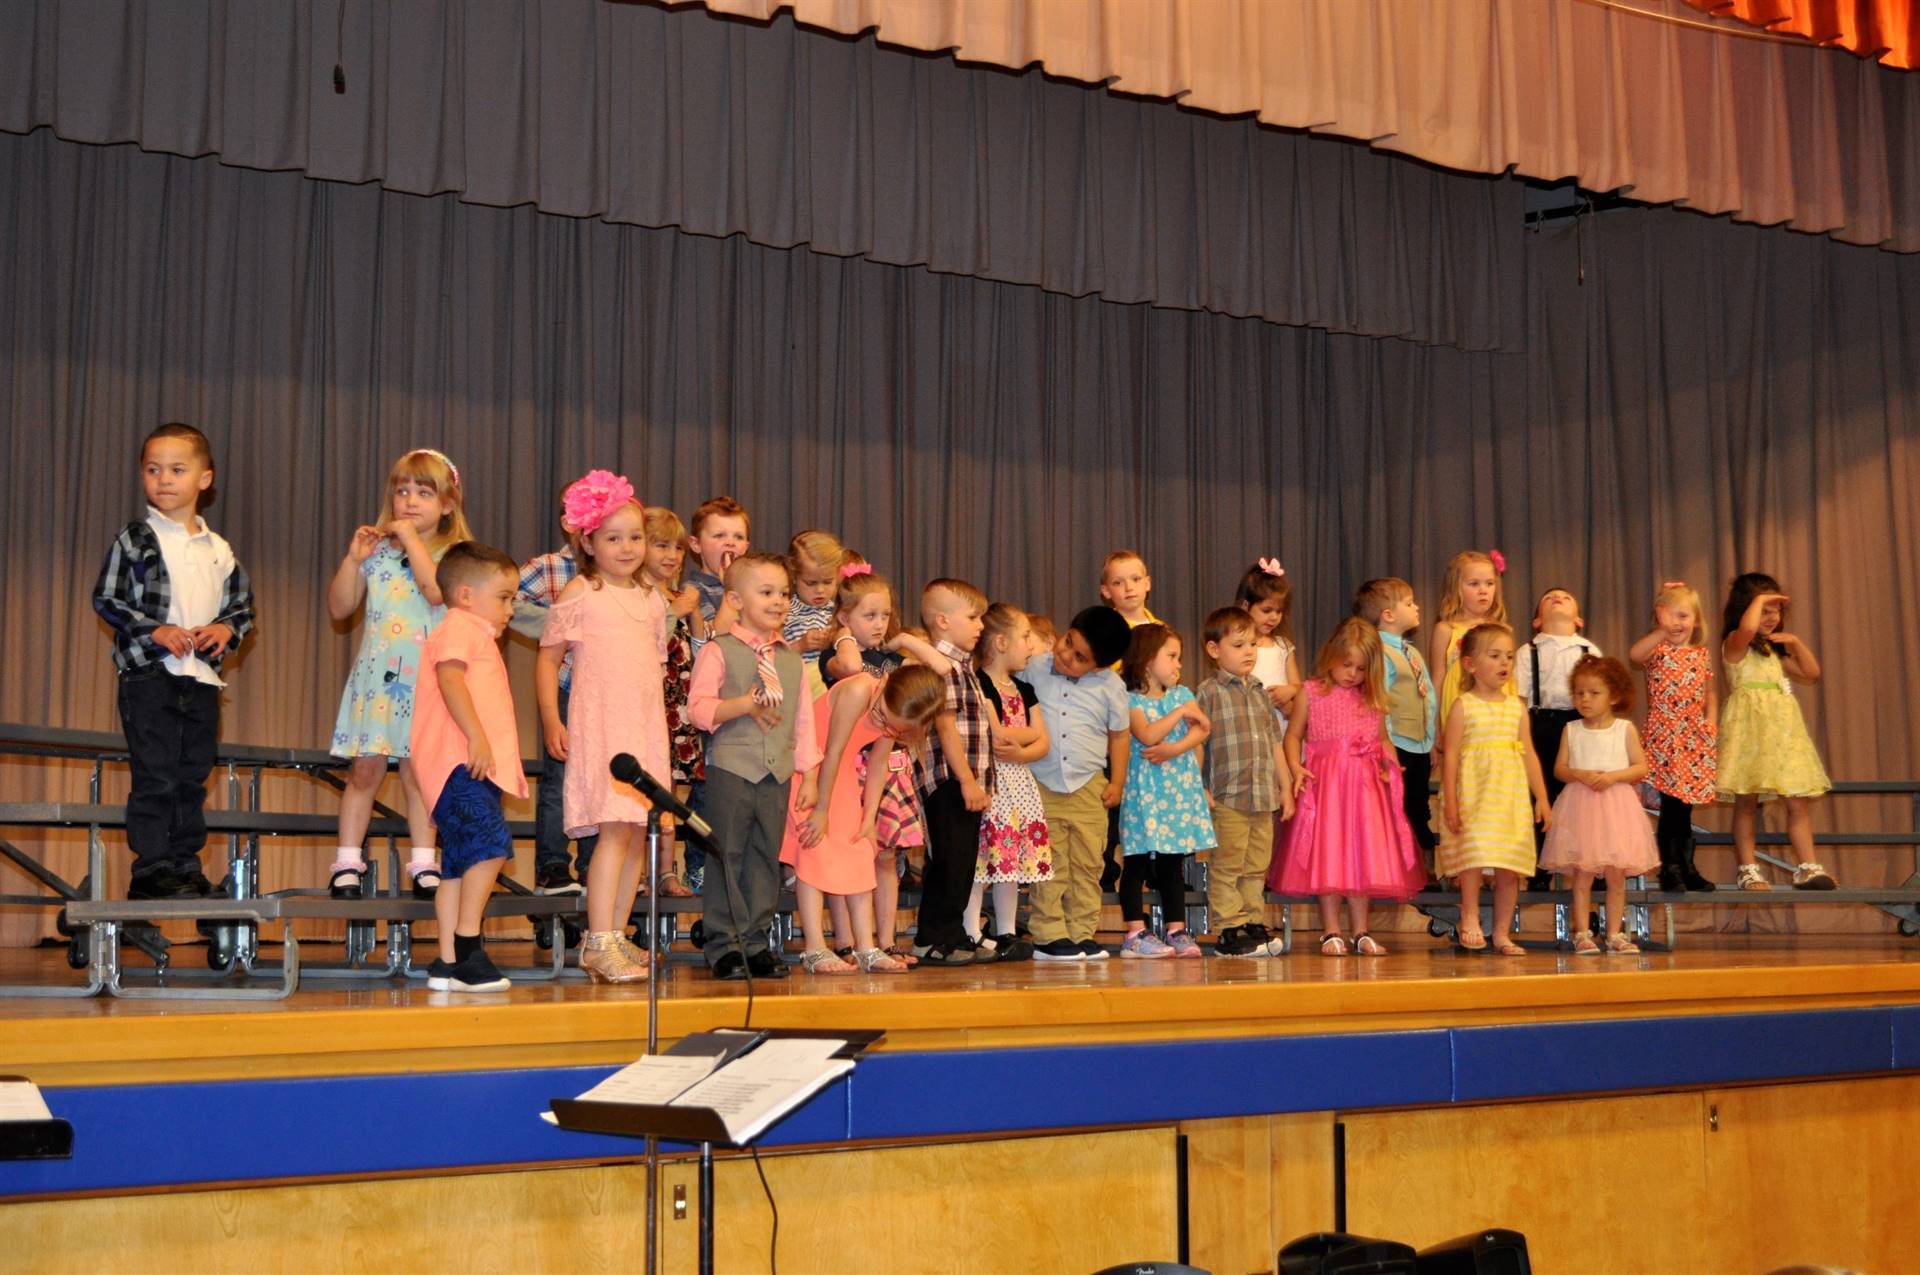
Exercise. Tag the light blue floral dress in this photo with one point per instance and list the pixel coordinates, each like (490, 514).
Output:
(1164, 809)
(376, 709)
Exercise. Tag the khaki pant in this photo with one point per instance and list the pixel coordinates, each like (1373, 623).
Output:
(1068, 906)
(1237, 879)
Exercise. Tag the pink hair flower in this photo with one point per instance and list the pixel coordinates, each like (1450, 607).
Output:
(853, 569)
(1499, 561)
(590, 501)
(1272, 566)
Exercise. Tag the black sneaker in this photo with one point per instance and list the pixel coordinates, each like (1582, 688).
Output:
(556, 880)
(162, 883)
(1237, 940)
(1011, 947)
(439, 975)
(1059, 950)
(1092, 950)
(475, 974)
(955, 954)
(766, 965)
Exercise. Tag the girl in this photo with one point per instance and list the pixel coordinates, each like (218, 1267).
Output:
(1682, 711)
(1488, 770)
(660, 569)
(1349, 833)
(1267, 596)
(1164, 820)
(1598, 826)
(617, 631)
(391, 567)
(1473, 594)
(1765, 751)
(829, 845)
(815, 558)
(1014, 848)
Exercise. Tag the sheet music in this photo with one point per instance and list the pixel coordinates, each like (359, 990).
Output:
(750, 1093)
(21, 1100)
(654, 1080)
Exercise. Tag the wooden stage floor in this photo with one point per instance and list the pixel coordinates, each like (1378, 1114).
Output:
(333, 1028)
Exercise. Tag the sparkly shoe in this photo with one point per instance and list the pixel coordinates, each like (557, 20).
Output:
(634, 952)
(604, 961)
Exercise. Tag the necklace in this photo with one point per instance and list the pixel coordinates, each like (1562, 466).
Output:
(639, 617)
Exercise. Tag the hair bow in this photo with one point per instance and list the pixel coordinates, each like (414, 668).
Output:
(853, 569)
(1673, 584)
(590, 501)
(1499, 561)
(1272, 566)
(444, 459)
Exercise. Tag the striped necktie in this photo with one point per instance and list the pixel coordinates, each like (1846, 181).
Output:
(768, 693)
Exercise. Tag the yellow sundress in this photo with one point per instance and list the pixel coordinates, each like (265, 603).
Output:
(1496, 807)
(1764, 745)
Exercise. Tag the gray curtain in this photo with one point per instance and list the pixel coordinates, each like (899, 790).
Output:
(1711, 398)
(640, 115)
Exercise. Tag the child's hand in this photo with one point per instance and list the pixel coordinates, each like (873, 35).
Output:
(1005, 749)
(1542, 814)
(1157, 753)
(479, 757)
(869, 832)
(1194, 714)
(814, 640)
(365, 541)
(767, 715)
(1600, 780)
(686, 602)
(173, 639)
(1787, 640)
(1452, 819)
(1287, 805)
(1110, 795)
(1279, 696)
(403, 531)
(211, 639)
(973, 795)
(724, 618)
(556, 740)
(808, 798)
(1300, 779)
(812, 830)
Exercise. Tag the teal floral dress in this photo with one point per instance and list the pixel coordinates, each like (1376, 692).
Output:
(1164, 809)
(376, 709)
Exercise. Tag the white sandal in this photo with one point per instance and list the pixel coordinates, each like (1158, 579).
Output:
(1748, 878)
(1811, 876)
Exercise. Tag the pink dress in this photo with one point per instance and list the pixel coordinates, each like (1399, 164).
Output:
(1350, 834)
(842, 861)
(1594, 831)
(619, 642)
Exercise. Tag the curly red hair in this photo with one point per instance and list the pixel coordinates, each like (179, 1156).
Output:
(1610, 673)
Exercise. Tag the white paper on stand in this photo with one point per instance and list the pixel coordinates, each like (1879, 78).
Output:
(752, 1092)
(21, 1100)
(653, 1080)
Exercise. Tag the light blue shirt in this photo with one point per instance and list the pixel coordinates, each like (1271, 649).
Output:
(1399, 643)
(1082, 712)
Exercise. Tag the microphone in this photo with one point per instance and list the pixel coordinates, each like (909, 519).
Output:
(627, 769)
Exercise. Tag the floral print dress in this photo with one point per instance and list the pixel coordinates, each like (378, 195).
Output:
(1164, 809)
(376, 709)
(1014, 845)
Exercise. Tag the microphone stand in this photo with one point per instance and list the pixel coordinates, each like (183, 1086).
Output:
(653, 1028)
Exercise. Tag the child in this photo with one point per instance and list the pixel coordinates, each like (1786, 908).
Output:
(666, 554)
(616, 631)
(1041, 635)
(830, 844)
(960, 779)
(1471, 594)
(1248, 779)
(1388, 604)
(1124, 586)
(541, 579)
(1163, 814)
(465, 749)
(1542, 678)
(1682, 717)
(177, 601)
(1267, 596)
(1014, 845)
(1487, 769)
(815, 558)
(1765, 751)
(720, 535)
(1087, 716)
(1349, 834)
(749, 694)
(1598, 825)
(391, 566)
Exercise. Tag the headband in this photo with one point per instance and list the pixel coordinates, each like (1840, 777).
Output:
(590, 501)
(442, 457)
(1499, 561)
(1673, 584)
(1272, 566)
(853, 569)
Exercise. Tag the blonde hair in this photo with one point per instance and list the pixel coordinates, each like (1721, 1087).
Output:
(425, 467)
(1043, 628)
(853, 588)
(1674, 592)
(1376, 597)
(966, 594)
(821, 548)
(664, 524)
(1475, 640)
(1354, 634)
(1000, 620)
(1453, 605)
(1119, 556)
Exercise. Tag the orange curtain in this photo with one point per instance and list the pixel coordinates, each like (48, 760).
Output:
(1879, 29)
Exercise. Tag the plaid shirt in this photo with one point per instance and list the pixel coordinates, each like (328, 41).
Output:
(133, 595)
(1240, 770)
(541, 580)
(969, 712)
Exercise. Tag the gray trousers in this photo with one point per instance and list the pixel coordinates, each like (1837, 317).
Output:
(742, 882)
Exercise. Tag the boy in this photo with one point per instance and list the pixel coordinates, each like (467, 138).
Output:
(957, 783)
(1412, 702)
(1543, 672)
(749, 693)
(1124, 586)
(540, 582)
(1087, 717)
(466, 752)
(720, 528)
(1247, 780)
(177, 601)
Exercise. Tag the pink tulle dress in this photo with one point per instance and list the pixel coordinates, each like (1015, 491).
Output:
(1595, 831)
(1349, 835)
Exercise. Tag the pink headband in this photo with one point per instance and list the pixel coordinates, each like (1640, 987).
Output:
(1499, 561)
(1673, 584)
(590, 501)
(442, 457)
(1272, 566)
(853, 569)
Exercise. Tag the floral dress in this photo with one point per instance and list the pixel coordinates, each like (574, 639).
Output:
(1678, 738)
(684, 741)
(1014, 845)
(1164, 809)
(376, 709)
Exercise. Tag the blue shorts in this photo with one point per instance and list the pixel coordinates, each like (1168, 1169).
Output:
(472, 827)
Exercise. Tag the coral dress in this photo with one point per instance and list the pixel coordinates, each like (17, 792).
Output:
(1496, 809)
(619, 642)
(1349, 834)
(842, 861)
(1595, 831)
(376, 709)
(1680, 741)
(1764, 745)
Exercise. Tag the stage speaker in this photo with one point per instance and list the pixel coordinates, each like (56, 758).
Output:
(1489, 1252)
(1334, 1253)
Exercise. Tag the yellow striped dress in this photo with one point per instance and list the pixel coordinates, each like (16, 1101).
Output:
(1496, 808)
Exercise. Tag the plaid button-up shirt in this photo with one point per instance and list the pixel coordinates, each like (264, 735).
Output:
(541, 580)
(969, 711)
(1240, 770)
(134, 593)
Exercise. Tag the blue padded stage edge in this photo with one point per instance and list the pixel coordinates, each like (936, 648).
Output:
(135, 1136)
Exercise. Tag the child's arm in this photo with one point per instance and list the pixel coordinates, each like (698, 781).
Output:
(705, 709)
(879, 769)
(920, 651)
(1636, 769)
(452, 676)
(1450, 738)
(1166, 750)
(955, 750)
(1116, 768)
(847, 711)
(426, 572)
(1283, 697)
(347, 587)
(1283, 771)
(1153, 732)
(1563, 770)
(1291, 745)
(1637, 653)
(546, 694)
(116, 599)
(1713, 701)
(1437, 650)
(1735, 647)
(844, 659)
(1798, 660)
(235, 619)
(1542, 808)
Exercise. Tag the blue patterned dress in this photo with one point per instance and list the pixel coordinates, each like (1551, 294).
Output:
(1164, 809)
(376, 710)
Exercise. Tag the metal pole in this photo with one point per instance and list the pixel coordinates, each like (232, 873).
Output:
(653, 1030)
(706, 1208)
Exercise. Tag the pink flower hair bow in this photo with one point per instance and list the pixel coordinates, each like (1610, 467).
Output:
(853, 569)
(591, 500)
(1499, 561)
(1272, 566)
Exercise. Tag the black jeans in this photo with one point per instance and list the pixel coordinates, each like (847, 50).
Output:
(1548, 725)
(172, 725)
(953, 847)
(549, 816)
(1674, 832)
(1416, 770)
(1168, 875)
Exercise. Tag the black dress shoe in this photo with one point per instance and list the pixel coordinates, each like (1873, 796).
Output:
(730, 968)
(205, 888)
(766, 965)
(162, 883)
(1671, 878)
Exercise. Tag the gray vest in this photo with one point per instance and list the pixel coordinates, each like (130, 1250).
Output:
(740, 747)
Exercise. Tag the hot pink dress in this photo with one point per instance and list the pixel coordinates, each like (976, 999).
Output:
(619, 643)
(1349, 834)
(842, 861)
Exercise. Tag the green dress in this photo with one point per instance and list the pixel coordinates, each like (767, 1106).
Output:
(1764, 746)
